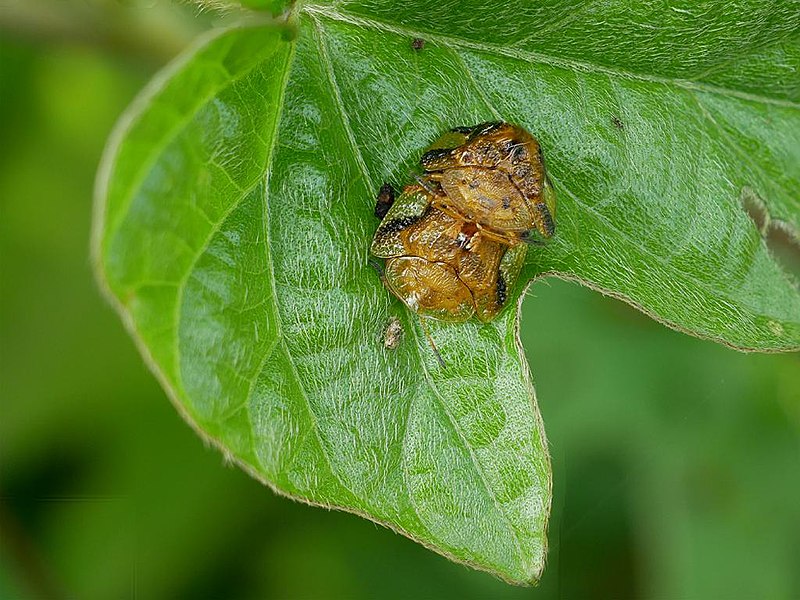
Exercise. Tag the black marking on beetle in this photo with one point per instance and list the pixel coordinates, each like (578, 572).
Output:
(397, 225)
(507, 146)
(506, 202)
(540, 153)
(484, 128)
(417, 43)
(384, 200)
(433, 155)
(547, 218)
(467, 158)
(502, 290)
(517, 153)
(521, 171)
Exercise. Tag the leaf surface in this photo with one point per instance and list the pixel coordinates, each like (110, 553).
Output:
(235, 215)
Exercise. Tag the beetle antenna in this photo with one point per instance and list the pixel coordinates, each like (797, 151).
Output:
(424, 183)
(432, 343)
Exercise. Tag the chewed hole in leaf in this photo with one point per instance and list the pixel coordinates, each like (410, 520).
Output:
(785, 247)
(782, 241)
(756, 209)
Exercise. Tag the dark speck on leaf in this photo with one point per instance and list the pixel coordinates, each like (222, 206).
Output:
(418, 43)
(617, 123)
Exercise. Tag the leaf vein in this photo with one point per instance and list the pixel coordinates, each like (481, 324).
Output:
(216, 228)
(713, 291)
(457, 430)
(314, 418)
(528, 56)
(729, 141)
(323, 51)
(427, 376)
(478, 89)
(150, 93)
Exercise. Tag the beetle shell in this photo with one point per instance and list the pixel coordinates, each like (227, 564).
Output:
(494, 173)
(441, 266)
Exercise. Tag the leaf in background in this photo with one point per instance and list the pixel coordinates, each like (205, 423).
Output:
(235, 215)
(275, 7)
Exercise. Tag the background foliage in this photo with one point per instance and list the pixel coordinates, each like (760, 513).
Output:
(674, 459)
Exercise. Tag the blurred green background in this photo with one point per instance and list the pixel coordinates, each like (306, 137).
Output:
(677, 461)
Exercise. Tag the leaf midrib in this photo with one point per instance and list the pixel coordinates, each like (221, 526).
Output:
(536, 57)
(245, 192)
(426, 373)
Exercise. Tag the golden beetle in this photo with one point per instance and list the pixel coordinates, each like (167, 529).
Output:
(455, 242)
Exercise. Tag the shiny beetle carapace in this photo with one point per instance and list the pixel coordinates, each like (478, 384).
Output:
(455, 241)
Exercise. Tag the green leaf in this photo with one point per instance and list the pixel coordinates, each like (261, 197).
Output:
(235, 215)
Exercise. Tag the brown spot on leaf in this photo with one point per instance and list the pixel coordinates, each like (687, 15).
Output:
(784, 245)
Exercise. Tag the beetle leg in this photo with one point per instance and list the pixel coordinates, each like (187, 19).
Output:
(384, 200)
(378, 266)
(428, 335)
(507, 239)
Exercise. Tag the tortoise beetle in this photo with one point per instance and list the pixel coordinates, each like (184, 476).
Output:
(455, 241)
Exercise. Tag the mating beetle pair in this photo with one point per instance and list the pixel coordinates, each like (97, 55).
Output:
(455, 242)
